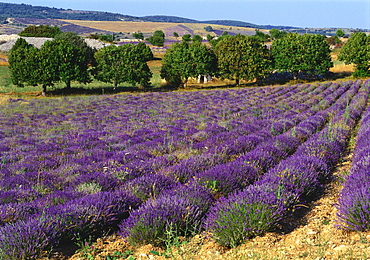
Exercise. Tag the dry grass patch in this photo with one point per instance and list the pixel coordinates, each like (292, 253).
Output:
(150, 27)
(117, 26)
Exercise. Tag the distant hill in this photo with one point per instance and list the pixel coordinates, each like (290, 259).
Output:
(167, 19)
(29, 11)
(43, 12)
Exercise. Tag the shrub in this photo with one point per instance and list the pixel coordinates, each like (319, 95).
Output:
(149, 186)
(92, 214)
(243, 215)
(27, 239)
(226, 178)
(152, 223)
(354, 207)
(177, 213)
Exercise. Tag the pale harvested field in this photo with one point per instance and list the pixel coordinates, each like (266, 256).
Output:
(150, 27)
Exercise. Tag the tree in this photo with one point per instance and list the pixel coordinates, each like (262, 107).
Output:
(184, 60)
(260, 36)
(210, 37)
(157, 39)
(208, 28)
(138, 35)
(277, 34)
(144, 50)
(197, 38)
(20, 43)
(107, 38)
(40, 31)
(307, 53)
(242, 57)
(67, 61)
(357, 51)
(31, 66)
(176, 35)
(333, 40)
(340, 33)
(74, 39)
(122, 64)
(21, 63)
(186, 37)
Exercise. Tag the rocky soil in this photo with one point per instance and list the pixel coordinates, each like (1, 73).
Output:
(7, 42)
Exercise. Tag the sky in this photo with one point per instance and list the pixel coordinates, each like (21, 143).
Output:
(299, 13)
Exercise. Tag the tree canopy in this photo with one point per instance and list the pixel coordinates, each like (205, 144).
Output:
(118, 64)
(357, 51)
(184, 60)
(242, 57)
(157, 39)
(308, 53)
(40, 31)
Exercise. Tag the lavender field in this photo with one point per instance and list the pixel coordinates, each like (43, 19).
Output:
(157, 166)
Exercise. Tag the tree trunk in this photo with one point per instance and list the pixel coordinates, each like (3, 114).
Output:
(238, 82)
(68, 83)
(186, 83)
(43, 92)
(115, 84)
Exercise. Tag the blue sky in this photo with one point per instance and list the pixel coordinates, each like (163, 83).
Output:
(300, 13)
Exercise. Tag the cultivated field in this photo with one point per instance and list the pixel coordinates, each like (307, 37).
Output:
(150, 27)
(73, 168)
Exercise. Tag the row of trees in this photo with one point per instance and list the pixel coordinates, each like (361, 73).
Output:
(241, 57)
(68, 58)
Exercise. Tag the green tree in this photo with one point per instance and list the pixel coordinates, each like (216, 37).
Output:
(333, 40)
(20, 43)
(296, 53)
(184, 60)
(186, 37)
(176, 35)
(208, 28)
(340, 33)
(122, 64)
(277, 34)
(31, 66)
(74, 39)
(21, 63)
(107, 38)
(40, 31)
(357, 51)
(197, 38)
(138, 35)
(144, 50)
(241, 57)
(210, 37)
(68, 61)
(260, 36)
(157, 39)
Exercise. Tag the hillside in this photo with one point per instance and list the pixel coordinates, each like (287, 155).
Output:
(28, 11)
(42, 12)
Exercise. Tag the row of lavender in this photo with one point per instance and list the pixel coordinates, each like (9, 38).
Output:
(70, 148)
(67, 174)
(354, 199)
(293, 181)
(233, 219)
(60, 177)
